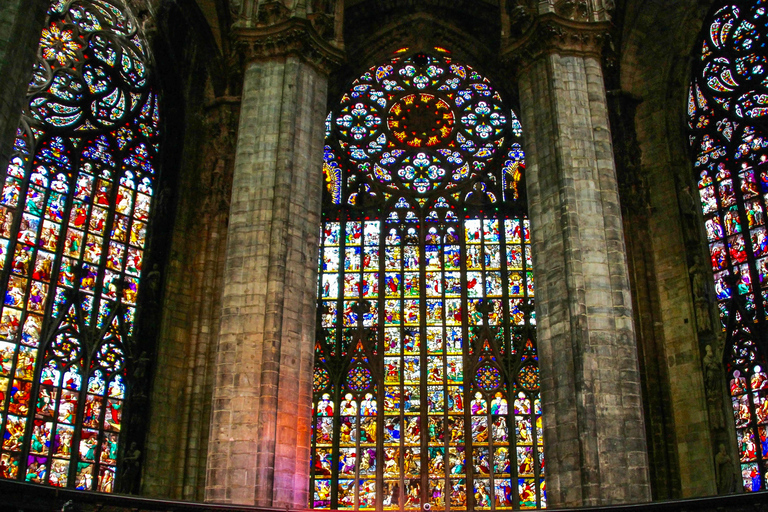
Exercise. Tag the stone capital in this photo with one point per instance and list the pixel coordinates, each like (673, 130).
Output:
(292, 36)
(550, 33)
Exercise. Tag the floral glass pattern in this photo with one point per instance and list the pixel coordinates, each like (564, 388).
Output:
(727, 108)
(727, 113)
(74, 210)
(426, 286)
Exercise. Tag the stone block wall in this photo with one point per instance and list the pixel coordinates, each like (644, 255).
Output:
(635, 207)
(268, 309)
(657, 404)
(260, 433)
(177, 442)
(656, 54)
(593, 426)
(21, 22)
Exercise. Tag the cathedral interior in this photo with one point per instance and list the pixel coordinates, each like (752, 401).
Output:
(173, 169)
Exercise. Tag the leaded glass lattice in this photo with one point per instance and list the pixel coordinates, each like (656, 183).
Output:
(748, 387)
(73, 221)
(425, 285)
(727, 113)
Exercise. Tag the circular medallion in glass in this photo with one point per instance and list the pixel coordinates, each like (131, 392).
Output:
(488, 377)
(320, 379)
(359, 378)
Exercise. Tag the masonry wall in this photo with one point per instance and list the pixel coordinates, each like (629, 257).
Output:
(657, 47)
(177, 441)
(21, 22)
(655, 60)
(659, 422)
(593, 426)
(200, 124)
(260, 430)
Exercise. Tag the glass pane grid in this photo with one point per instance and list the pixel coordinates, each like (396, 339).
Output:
(73, 219)
(729, 146)
(425, 443)
(430, 294)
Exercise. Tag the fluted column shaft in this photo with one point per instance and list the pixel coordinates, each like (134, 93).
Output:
(259, 446)
(593, 418)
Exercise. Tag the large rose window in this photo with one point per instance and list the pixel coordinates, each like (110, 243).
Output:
(727, 112)
(426, 374)
(420, 125)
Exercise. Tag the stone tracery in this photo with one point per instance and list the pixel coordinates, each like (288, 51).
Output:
(76, 203)
(363, 198)
(397, 250)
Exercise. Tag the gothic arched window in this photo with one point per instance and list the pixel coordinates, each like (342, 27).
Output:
(727, 114)
(426, 375)
(73, 220)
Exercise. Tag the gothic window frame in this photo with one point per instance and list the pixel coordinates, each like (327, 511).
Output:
(390, 206)
(727, 110)
(74, 215)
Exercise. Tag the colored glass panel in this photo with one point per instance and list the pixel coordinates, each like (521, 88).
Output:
(76, 200)
(444, 337)
(726, 115)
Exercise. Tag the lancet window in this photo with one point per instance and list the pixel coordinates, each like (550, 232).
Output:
(426, 386)
(75, 204)
(727, 113)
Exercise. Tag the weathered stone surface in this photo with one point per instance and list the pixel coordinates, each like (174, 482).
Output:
(259, 444)
(21, 22)
(177, 445)
(655, 55)
(655, 65)
(593, 428)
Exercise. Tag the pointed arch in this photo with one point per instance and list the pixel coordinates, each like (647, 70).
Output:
(747, 381)
(56, 433)
(727, 112)
(74, 216)
(426, 290)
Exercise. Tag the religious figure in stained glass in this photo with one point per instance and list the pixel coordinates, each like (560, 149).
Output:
(727, 114)
(74, 209)
(426, 387)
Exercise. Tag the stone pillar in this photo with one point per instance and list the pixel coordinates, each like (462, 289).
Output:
(21, 22)
(593, 429)
(259, 447)
(637, 214)
(177, 443)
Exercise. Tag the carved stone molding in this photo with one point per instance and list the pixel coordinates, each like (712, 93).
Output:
(550, 34)
(271, 13)
(573, 9)
(294, 36)
(254, 13)
(420, 32)
(218, 162)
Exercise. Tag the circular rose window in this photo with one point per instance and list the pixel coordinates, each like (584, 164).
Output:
(420, 120)
(419, 126)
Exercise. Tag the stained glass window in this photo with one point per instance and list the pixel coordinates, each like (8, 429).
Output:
(727, 113)
(73, 221)
(426, 377)
(748, 387)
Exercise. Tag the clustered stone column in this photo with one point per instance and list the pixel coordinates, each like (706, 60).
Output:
(591, 397)
(260, 429)
(176, 457)
(20, 24)
(259, 446)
